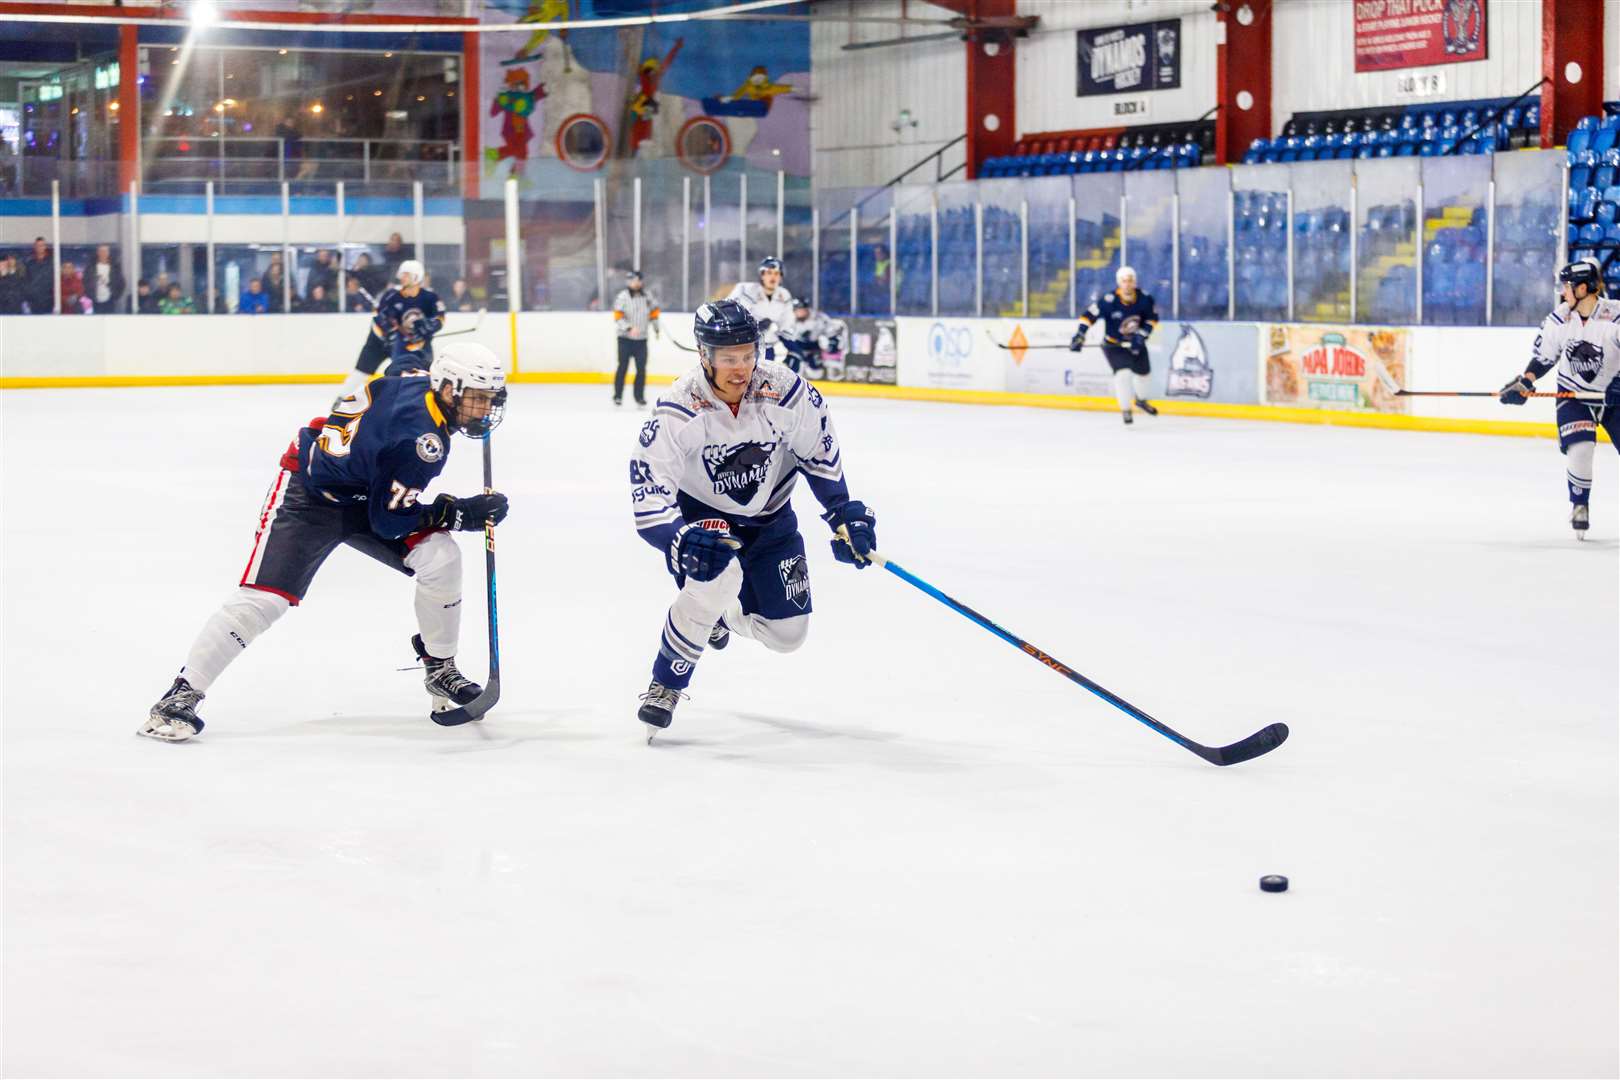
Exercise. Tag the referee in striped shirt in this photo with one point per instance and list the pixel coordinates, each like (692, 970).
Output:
(634, 311)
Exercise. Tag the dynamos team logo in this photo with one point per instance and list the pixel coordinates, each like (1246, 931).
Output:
(795, 580)
(1585, 359)
(738, 471)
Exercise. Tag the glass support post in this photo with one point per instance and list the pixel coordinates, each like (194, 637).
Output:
(1023, 256)
(686, 243)
(1417, 246)
(514, 266)
(601, 241)
(1290, 227)
(708, 227)
(854, 247)
(1175, 254)
(132, 258)
(1231, 253)
(208, 208)
(815, 257)
(781, 209)
(635, 223)
(1490, 249)
(1355, 311)
(933, 252)
(342, 267)
(978, 256)
(56, 245)
(742, 227)
(894, 246)
(1074, 312)
(286, 247)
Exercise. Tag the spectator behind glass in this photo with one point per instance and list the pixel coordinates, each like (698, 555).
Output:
(323, 273)
(373, 279)
(274, 285)
(11, 286)
(396, 252)
(175, 302)
(104, 282)
(74, 302)
(253, 300)
(317, 301)
(461, 298)
(146, 301)
(353, 298)
(39, 287)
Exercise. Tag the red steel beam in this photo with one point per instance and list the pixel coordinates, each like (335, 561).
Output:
(1571, 33)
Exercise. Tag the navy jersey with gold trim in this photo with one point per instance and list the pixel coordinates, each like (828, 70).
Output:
(1120, 320)
(382, 445)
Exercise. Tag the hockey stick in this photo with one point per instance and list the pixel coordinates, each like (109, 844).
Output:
(473, 329)
(681, 345)
(1263, 741)
(1009, 348)
(478, 706)
(1568, 395)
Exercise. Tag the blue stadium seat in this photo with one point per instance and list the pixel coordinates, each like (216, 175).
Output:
(1591, 234)
(1580, 138)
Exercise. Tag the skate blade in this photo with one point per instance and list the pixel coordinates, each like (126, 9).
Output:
(166, 732)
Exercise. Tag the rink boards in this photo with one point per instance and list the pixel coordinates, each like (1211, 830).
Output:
(1310, 373)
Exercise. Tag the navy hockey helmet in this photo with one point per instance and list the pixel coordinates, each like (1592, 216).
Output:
(632, 275)
(1583, 272)
(724, 322)
(770, 262)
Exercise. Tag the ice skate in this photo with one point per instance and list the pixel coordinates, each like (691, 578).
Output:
(720, 636)
(1580, 518)
(448, 687)
(1127, 417)
(1145, 407)
(174, 718)
(658, 707)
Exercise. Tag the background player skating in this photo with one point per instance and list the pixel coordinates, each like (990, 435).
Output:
(769, 302)
(635, 311)
(809, 334)
(711, 483)
(1582, 338)
(408, 314)
(354, 478)
(1128, 317)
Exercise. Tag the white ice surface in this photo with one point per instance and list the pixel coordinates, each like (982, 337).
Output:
(907, 849)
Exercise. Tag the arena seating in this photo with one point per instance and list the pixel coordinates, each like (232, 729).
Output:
(1593, 219)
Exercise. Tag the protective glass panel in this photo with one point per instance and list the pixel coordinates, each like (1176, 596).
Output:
(1205, 204)
(1321, 240)
(1386, 240)
(661, 231)
(1149, 205)
(957, 262)
(914, 249)
(1260, 240)
(798, 236)
(95, 270)
(1455, 193)
(726, 221)
(834, 267)
(1003, 238)
(559, 259)
(1049, 258)
(619, 210)
(874, 263)
(1097, 236)
(763, 239)
(1528, 218)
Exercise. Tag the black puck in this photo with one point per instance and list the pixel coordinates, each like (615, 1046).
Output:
(1273, 883)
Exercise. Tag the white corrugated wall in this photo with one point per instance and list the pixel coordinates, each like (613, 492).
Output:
(860, 94)
(1314, 63)
(1048, 58)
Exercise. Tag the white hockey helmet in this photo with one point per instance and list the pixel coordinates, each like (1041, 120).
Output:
(1124, 274)
(411, 272)
(467, 365)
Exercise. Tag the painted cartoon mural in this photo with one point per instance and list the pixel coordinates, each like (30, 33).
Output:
(697, 94)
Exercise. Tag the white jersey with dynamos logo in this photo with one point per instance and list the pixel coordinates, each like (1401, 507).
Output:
(1585, 351)
(776, 306)
(745, 465)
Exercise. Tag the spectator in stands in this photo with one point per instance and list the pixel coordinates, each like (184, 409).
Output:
(880, 264)
(104, 282)
(396, 252)
(353, 298)
(11, 286)
(461, 298)
(253, 301)
(317, 300)
(323, 273)
(39, 289)
(74, 302)
(373, 279)
(274, 284)
(146, 301)
(176, 302)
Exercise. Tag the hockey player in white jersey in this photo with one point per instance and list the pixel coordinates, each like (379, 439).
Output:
(769, 303)
(710, 485)
(809, 336)
(1582, 339)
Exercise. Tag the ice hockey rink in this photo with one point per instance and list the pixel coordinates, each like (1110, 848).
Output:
(906, 849)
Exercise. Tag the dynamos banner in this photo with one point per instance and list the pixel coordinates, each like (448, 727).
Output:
(1128, 59)
(1417, 33)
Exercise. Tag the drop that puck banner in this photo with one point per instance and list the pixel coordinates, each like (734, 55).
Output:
(1129, 59)
(1394, 34)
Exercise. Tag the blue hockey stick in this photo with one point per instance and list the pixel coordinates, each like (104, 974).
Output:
(1261, 742)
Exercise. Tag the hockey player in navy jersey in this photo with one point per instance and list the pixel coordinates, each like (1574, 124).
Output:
(355, 478)
(1128, 317)
(1581, 337)
(407, 316)
(710, 486)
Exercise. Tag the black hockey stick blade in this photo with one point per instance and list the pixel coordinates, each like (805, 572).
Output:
(477, 707)
(1263, 741)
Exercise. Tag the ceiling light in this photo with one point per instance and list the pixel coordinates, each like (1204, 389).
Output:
(203, 13)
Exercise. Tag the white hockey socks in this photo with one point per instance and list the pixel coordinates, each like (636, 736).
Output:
(1579, 459)
(436, 562)
(1122, 389)
(1140, 384)
(246, 615)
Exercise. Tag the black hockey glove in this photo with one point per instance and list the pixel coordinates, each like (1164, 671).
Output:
(1611, 396)
(833, 344)
(701, 554)
(1077, 342)
(1517, 392)
(764, 325)
(1137, 342)
(466, 515)
(861, 525)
